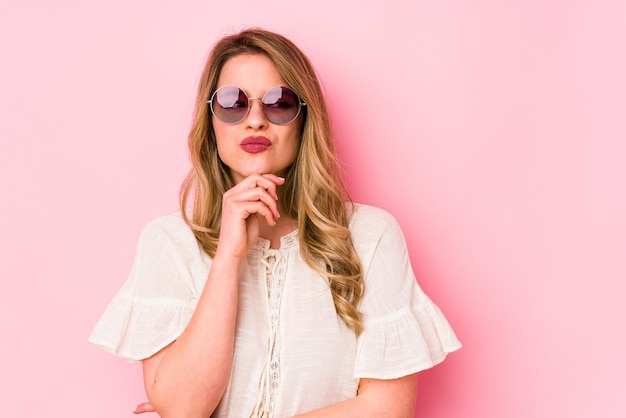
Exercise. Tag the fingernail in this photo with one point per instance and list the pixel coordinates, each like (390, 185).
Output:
(282, 178)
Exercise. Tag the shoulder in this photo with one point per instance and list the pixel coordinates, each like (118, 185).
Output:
(370, 219)
(171, 222)
(374, 228)
(168, 228)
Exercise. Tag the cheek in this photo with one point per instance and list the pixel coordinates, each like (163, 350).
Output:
(217, 129)
(221, 135)
(294, 145)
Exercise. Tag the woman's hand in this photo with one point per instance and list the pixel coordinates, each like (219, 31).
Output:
(252, 200)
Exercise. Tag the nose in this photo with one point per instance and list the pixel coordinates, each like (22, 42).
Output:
(256, 117)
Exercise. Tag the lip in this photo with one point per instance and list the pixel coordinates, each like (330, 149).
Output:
(255, 144)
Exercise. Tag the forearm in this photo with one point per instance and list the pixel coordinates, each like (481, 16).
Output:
(192, 374)
(353, 407)
(394, 398)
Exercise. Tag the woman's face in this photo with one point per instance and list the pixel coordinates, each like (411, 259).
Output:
(255, 145)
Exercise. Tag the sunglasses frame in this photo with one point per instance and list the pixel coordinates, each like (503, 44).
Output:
(301, 104)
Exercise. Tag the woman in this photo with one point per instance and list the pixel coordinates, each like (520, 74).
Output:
(268, 294)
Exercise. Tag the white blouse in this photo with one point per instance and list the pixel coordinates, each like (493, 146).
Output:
(293, 354)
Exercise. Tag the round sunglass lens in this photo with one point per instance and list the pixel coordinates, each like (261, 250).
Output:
(281, 105)
(229, 104)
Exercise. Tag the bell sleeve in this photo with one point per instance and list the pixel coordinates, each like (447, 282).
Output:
(405, 332)
(156, 302)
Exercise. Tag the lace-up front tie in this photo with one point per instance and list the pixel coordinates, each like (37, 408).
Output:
(275, 270)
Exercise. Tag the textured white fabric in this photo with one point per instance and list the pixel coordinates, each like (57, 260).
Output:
(293, 353)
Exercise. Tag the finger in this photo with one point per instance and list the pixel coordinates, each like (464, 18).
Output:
(259, 209)
(265, 181)
(263, 196)
(144, 407)
(276, 179)
(258, 194)
(269, 176)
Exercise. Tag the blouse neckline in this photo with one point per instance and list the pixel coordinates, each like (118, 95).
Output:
(287, 241)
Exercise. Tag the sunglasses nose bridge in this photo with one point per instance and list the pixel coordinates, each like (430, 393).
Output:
(251, 112)
(250, 99)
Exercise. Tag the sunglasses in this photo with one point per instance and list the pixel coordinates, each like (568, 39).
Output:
(280, 104)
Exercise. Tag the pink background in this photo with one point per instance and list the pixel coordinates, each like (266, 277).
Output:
(494, 131)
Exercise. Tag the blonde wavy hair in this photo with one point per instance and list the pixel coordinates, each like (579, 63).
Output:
(313, 192)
